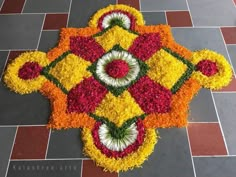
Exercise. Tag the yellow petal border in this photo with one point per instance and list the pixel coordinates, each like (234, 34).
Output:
(131, 161)
(221, 78)
(95, 18)
(25, 86)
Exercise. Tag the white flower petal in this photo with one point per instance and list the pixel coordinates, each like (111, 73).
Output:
(117, 82)
(117, 144)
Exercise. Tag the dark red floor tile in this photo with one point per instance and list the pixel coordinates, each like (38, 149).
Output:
(55, 21)
(179, 19)
(12, 6)
(229, 34)
(230, 88)
(90, 169)
(30, 143)
(14, 54)
(206, 139)
(132, 3)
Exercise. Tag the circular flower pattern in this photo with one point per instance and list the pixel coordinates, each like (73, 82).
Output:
(116, 144)
(116, 18)
(129, 161)
(117, 68)
(213, 70)
(24, 83)
(117, 55)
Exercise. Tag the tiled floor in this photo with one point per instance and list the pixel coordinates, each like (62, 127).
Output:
(207, 147)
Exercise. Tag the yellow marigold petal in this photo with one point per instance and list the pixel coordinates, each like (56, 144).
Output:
(118, 109)
(165, 68)
(115, 36)
(19, 85)
(138, 16)
(71, 70)
(221, 78)
(120, 164)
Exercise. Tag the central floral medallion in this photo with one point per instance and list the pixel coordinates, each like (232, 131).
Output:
(117, 70)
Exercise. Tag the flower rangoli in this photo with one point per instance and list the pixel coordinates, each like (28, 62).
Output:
(119, 81)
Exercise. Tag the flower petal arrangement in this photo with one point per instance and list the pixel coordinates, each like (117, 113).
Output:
(119, 81)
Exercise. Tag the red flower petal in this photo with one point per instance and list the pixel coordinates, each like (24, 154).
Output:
(117, 68)
(29, 70)
(151, 96)
(207, 67)
(86, 96)
(145, 46)
(86, 47)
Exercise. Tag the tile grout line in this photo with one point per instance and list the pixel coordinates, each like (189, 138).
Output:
(205, 27)
(190, 13)
(4, 67)
(140, 5)
(166, 17)
(2, 5)
(23, 7)
(225, 92)
(227, 52)
(51, 30)
(22, 125)
(49, 136)
(218, 117)
(40, 34)
(81, 169)
(16, 49)
(206, 156)
(68, 14)
(39, 13)
(50, 159)
(11, 152)
(231, 44)
(234, 2)
(163, 10)
(202, 122)
(190, 149)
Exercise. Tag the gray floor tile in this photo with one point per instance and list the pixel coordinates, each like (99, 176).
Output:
(3, 58)
(212, 13)
(44, 6)
(171, 157)
(7, 135)
(154, 18)
(226, 104)
(20, 31)
(155, 5)
(81, 11)
(16, 109)
(202, 108)
(215, 166)
(46, 168)
(232, 54)
(200, 38)
(65, 144)
(48, 40)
